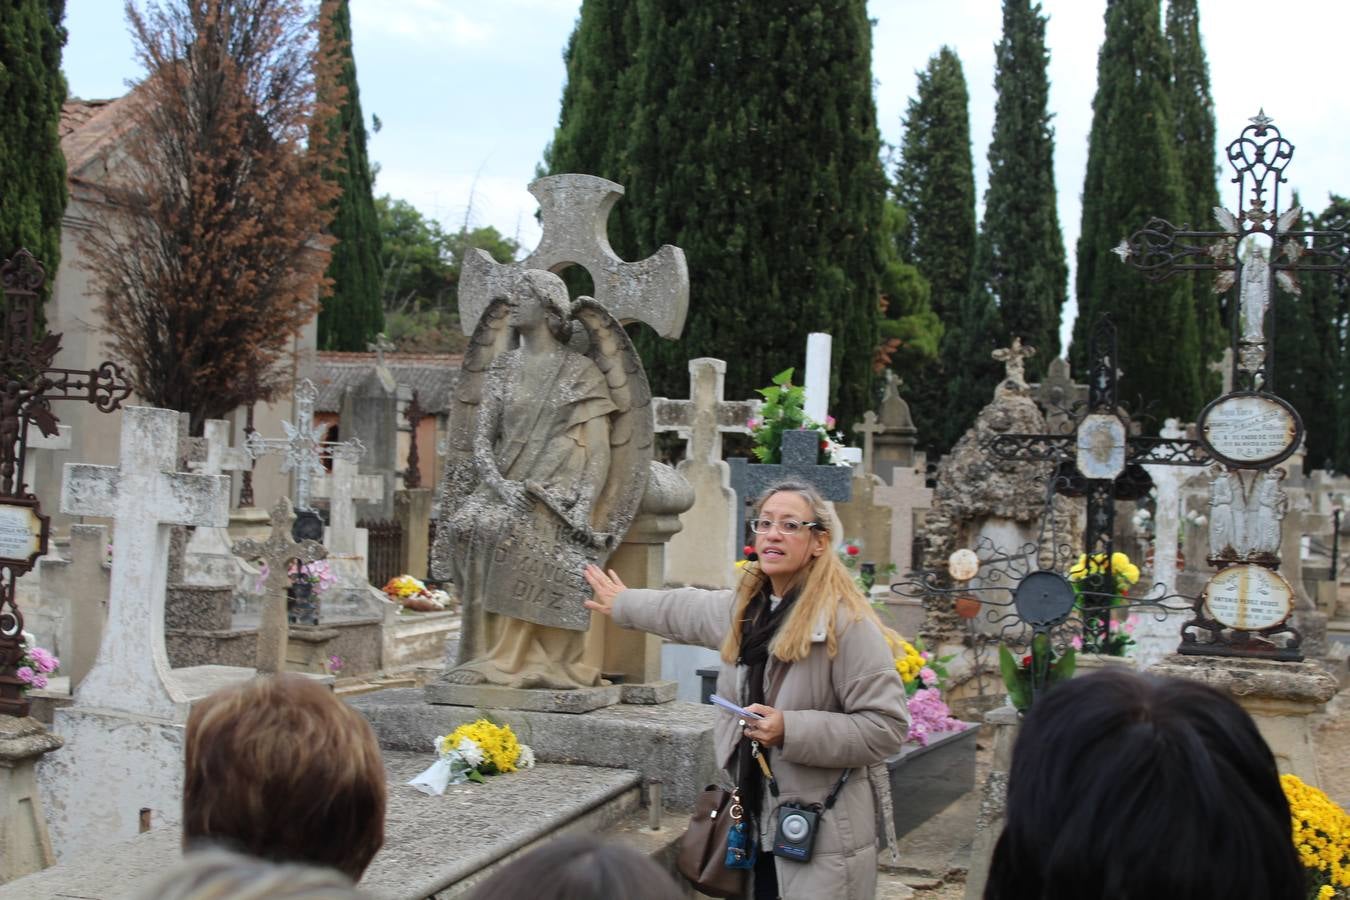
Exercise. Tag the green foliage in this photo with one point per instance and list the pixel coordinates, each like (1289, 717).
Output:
(32, 167)
(1193, 111)
(935, 185)
(1021, 262)
(749, 140)
(1133, 174)
(1037, 672)
(784, 410)
(352, 314)
(907, 317)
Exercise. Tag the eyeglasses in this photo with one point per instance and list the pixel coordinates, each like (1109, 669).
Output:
(786, 526)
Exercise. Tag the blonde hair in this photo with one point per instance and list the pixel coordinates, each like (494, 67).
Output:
(280, 769)
(825, 585)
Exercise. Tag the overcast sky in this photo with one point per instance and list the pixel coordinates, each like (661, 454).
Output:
(468, 90)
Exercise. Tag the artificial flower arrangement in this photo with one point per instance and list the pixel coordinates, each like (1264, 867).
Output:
(1322, 838)
(471, 753)
(318, 575)
(35, 664)
(924, 675)
(1103, 634)
(784, 409)
(864, 574)
(1042, 665)
(413, 594)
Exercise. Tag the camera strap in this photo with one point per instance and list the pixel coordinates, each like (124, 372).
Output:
(838, 786)
(762, 757)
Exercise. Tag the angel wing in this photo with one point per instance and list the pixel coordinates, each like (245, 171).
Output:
(491, 338)
(630, 435)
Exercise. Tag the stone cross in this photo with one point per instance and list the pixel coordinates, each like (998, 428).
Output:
(705, 416)
(574, 210)
(303, 449)
(144, 496)
(869, 428)
(703, 551)
(380, 346)
(343, 487)
(906, 495)
(800, 452)
(277, 551)
(220, 456)
(1014, 358)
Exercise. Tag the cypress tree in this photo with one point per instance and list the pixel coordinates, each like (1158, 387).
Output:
(1133, 174)
(32, 167)
(1193, 108)
(935, 182)
(754, 147)
(353, 313)
(1021, 259)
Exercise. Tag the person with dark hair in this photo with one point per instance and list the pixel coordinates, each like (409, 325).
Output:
(580, 868)
(280, 769)
(1134, 787)
(803, 649)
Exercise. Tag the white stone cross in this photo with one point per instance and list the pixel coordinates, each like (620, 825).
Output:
(303, 449)
(705, 416)
(574, 210)
(343, 487)
(1014, 358)
(220, 456)
(869, 428)
(277, 551)
(816, 381)
(144, 496)
(906, 495)
(380, 346)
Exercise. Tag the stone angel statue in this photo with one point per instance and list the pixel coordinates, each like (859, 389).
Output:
(549, 447)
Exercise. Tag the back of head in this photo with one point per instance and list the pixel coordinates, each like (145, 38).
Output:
(580, 868)
(218, 875)
(1133, 787)
(281, 769)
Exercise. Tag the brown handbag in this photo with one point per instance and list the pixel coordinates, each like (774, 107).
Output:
(703, 849)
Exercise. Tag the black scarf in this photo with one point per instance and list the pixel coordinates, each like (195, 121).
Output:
(758, 628)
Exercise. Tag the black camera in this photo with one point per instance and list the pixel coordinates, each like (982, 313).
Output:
(796, 832)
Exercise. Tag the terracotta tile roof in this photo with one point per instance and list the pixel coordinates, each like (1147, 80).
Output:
(432, 375)
(87, 126)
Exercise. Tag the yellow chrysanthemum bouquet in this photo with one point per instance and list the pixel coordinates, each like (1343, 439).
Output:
(1099, 584)
(1322, 838)
(471, 752)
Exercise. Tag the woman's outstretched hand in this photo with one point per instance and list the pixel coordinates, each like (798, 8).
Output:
(606, 586)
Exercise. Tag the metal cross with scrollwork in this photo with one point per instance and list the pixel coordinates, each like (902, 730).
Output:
(29, 383)
(303, 449)
(1160, 250)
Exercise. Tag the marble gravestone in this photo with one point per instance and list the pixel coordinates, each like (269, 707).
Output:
(123, 752)
(208, 560)
(800, 454)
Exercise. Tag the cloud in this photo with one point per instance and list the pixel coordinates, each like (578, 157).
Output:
(425, 21)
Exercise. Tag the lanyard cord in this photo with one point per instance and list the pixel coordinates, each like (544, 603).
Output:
(761, 756)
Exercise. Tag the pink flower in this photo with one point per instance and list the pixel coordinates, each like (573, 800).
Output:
(752, 423)
(40, 682)
(829, 421)
(1076, 642)
(26, 674)
(1130, 622)
(928, 676)
(43, 660)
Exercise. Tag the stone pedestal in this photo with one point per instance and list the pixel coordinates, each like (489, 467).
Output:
(307, 648)
(1005, 723)
(640, 562)
(1280, 696)
(24, 844)
(412, 508)
(249, 522)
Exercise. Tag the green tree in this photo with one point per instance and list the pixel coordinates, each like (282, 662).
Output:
(1021, 262)
(911, 332)
(1193, 110)
(32, 167)
(1133, 174)
(352, 314)
(752, 144)
(935, 183)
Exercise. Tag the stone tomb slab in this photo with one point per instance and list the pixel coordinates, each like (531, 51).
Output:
(434, 845)
(492, 696)
(669, 741)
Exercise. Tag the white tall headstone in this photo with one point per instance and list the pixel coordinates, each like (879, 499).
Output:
(817, 383)
(342, 488)
(208, 560)
(1156, 634)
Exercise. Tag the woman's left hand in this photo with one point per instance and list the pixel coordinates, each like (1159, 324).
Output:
(768, 730)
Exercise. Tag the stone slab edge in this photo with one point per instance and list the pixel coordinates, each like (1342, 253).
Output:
(1300, 682)
(491, 696)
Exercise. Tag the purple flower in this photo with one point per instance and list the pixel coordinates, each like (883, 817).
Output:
(40, 682)
(26, 674)
(928, 676)
(335, 664)
(43, 660)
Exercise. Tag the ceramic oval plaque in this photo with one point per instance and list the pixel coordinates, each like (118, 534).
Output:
(1250, 429)
(963, 565)
(1249, 597)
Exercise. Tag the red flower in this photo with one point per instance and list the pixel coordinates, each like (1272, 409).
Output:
(1026, 660)
(852, 550)
(747, 550)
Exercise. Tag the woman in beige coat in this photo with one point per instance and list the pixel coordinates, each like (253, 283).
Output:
(800, 646)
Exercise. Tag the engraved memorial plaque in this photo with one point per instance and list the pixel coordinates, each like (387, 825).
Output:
(1249, 597)
(1101, 447)
(963, 565)
(1250, 429)
(23, 532)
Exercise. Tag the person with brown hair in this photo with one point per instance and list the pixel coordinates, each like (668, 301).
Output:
(802, 648)
(218, 874)
(579, 868)
(281, 769)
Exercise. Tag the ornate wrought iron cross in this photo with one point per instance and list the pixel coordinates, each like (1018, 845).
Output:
(303, 449)
(1098, 458)
(30, 383)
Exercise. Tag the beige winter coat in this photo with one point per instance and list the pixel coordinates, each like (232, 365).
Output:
(845, 712)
